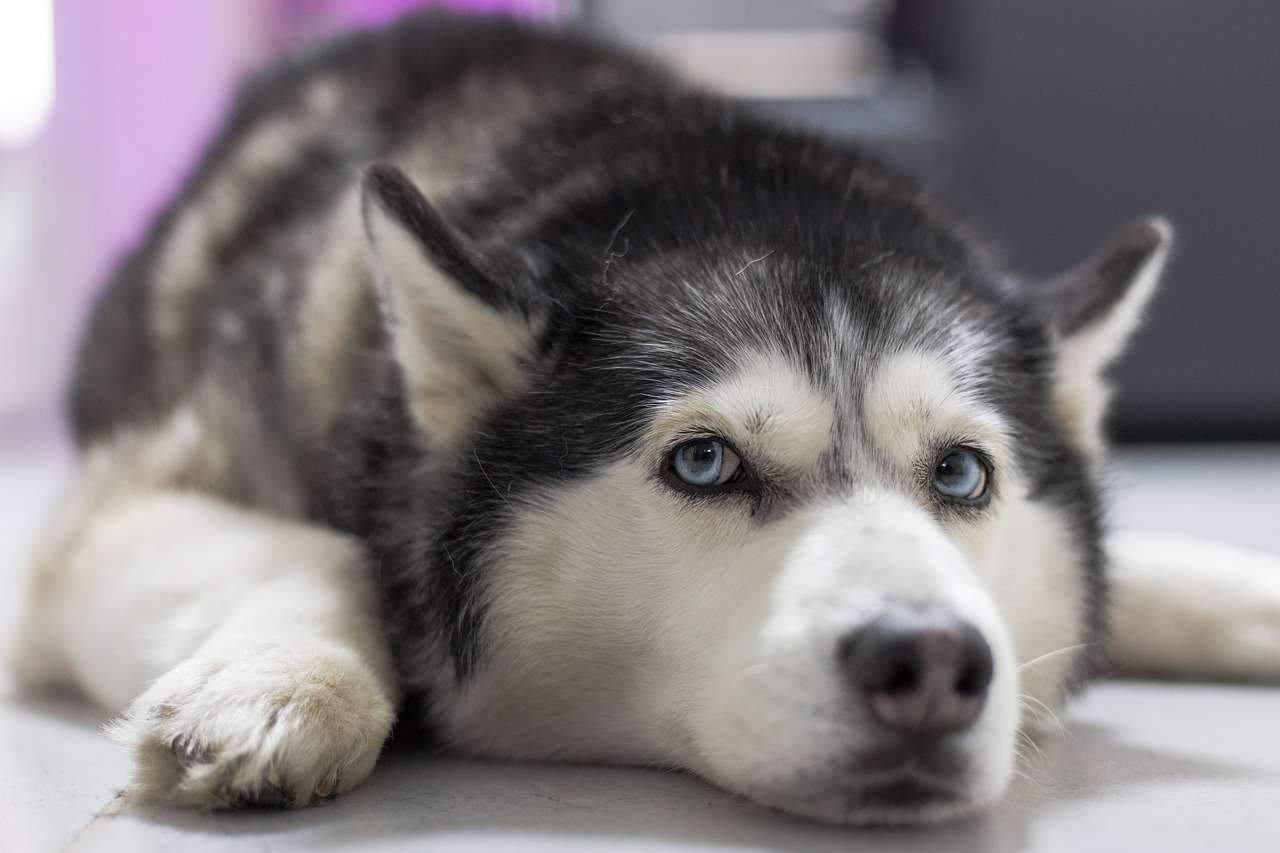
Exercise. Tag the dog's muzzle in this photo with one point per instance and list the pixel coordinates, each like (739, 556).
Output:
(880, 684)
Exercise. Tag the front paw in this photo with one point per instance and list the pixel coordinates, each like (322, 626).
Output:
(268, 727)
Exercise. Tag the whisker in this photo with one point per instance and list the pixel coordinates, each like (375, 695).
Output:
(1026, 739)
(1062, 730)
(1054, 653)
(1037, 772)
(1018, 773)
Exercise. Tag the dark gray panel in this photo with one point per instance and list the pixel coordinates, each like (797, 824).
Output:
(1086, 113)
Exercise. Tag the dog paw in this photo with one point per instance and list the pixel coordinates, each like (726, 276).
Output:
(269, 727)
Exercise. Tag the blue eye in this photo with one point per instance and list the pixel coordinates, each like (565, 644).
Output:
(705, 463)
(961, 474)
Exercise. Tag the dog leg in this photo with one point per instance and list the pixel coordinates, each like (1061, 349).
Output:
(269, 678)
(1186, 607)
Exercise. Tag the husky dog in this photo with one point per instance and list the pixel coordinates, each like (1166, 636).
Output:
(496, 379)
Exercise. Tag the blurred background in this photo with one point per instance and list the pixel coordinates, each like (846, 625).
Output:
(1047, 123)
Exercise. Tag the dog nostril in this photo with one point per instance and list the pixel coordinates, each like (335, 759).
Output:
(902, 675)
(968, 682)
(922, 672)
(976, 668)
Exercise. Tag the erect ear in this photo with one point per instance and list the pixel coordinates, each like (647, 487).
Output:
(462, 338)
(1094, 309)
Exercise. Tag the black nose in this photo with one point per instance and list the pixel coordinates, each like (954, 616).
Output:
(923, 671)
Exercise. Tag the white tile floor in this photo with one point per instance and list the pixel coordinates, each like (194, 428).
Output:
(1140, 766)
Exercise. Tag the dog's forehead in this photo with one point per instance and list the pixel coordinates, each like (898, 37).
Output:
(805, 370)
(896, 405)
(833, 325)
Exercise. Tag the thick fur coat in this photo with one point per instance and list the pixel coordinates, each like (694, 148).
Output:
(398, 409)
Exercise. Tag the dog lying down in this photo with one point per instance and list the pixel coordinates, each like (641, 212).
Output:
(499, 375)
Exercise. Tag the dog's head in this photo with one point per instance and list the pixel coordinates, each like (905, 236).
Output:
(779, 479)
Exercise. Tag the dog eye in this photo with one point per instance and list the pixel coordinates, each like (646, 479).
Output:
(705, 463)
(961, 474)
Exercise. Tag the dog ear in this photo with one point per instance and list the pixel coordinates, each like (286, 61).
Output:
(461, 338)
(1094, 309)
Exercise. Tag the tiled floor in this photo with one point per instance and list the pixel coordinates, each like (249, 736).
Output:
(1139, 767)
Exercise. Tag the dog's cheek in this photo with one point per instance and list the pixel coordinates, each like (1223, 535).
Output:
(1034, 569)
(592, 606)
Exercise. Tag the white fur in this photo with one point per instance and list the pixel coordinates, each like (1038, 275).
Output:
(253, 640)
(777, 721)
(572, 618)
(1187, 607)
(913, 396)
(1033, 566)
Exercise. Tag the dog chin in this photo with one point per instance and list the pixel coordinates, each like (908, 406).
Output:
(901, 799)
(905, 801)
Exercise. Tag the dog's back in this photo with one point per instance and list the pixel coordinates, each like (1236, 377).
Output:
(249, 293)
